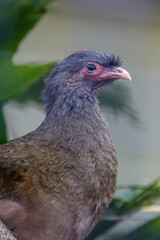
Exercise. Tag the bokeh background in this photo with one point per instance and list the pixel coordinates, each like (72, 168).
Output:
(38, 34)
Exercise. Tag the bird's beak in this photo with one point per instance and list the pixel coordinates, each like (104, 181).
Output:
(116, 73)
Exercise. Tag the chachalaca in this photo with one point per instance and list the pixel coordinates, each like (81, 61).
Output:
(56, 181)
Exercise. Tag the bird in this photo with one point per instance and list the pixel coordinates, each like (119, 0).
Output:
(56, 181)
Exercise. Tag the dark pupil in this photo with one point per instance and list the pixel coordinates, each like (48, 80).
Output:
(91, 67)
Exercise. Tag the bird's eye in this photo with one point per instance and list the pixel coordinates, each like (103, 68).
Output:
(91, 67)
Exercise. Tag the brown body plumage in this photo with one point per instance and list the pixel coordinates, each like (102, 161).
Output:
(56, 181)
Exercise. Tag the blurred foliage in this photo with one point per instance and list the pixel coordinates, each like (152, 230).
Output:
(124, 209)
(24, 82)
(118, 100)
(150, 231)
(21, 82)
(16, 19)
(138, 196)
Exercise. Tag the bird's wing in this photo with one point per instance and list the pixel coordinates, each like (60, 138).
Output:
(29, 166)
(14, 165)
(28, 161)
(15, 170)
(19, 161)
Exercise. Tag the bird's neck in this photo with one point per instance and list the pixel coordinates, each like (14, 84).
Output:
(81, 126)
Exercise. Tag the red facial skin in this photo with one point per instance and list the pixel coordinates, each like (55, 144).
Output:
(95, 75)
(100, 74)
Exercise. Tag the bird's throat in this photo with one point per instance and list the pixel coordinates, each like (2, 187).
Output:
(84, 126)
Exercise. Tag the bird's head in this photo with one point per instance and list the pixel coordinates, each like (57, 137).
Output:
(76, 79)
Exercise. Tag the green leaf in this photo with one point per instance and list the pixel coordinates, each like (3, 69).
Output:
(137, 197)
(130, 224)
(17, 18)
(17, 79)
(150, 231)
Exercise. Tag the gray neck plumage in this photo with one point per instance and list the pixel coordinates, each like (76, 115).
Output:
(74, 117)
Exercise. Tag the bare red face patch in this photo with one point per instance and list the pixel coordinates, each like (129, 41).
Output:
(92, 70)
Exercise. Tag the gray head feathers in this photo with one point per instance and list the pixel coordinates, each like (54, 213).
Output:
(63, 94)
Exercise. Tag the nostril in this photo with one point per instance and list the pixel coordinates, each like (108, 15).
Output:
(119, 70)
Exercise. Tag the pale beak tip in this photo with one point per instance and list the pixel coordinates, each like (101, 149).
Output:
(130, 79)
(125, 75)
